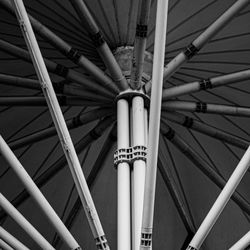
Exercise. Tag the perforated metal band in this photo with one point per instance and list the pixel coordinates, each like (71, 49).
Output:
(130, 154)
(190, 51)
(102, 243)
(146, 239)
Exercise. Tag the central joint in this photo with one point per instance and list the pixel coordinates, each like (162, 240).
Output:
(124, 57)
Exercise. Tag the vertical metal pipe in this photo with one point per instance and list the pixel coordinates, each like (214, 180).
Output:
(61, 127)
(36, 194)
(123, 179)
(5, 246)
(243, 243)
(154, 124)
(11, 240)
(22, 222)
(139, 170)
(220, 202)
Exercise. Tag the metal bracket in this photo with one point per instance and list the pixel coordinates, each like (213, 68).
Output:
(146, 239)
(191, 248)
(74, 55)
(102, 243)
(205, 84)
(129, 95)
(130, 154)
(201, 107)
(190, 51)
(22, 25)
(44, 85)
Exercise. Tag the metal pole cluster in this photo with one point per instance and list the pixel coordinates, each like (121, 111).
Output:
(22, 222)
(136, 166)
(5, 245)
(37, 195)
(11, 240)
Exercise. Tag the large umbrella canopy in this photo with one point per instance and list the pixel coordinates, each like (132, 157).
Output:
(91, 118)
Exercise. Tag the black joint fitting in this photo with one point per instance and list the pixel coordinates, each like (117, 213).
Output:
(141, 30)
(205, 84)
(201, 107)
(188, 122)
(97, 39)
(74, 55)
(190, 51)
(61, 70)
(170, 134)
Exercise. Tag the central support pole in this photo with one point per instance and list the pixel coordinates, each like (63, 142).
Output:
(154, 124)
(139, 169)
(123, 179)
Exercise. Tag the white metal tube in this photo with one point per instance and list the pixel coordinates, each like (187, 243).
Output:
(221, 202)
(37, 195)
(213, 82)
(60, 125)
(243, 243)
(154, 124)
(206, 108)
(139, 170)
(11, 240)
(21, 221)
(123, 179)
(5, 246)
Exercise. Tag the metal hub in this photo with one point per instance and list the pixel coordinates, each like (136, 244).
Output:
(124, 57)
